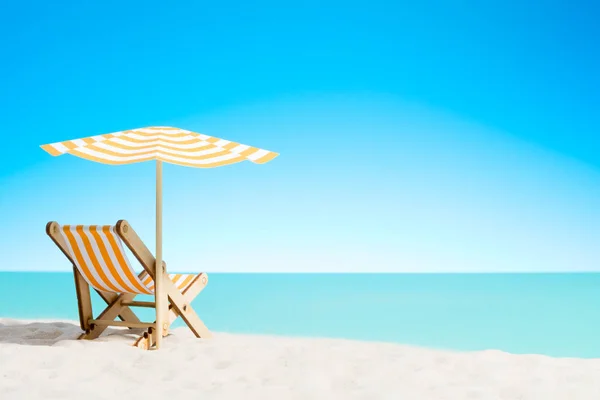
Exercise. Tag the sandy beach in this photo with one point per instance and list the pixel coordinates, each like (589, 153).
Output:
(40, 360)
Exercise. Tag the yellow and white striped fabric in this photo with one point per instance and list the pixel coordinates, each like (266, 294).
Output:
(99, 256)
(167, 144)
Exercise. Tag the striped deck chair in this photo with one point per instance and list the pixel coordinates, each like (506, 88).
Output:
(99, 261)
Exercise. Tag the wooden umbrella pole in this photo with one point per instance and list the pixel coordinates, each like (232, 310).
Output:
(159, 297)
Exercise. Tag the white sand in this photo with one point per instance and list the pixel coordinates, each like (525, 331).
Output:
(40, 361)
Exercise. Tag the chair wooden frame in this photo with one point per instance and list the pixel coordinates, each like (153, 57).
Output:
(119, 304)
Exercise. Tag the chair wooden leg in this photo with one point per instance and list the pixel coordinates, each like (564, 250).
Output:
(147, 340)
(110, 313)
(185, 310)
(142, 342)
(115, 309)
(84, 300)
(126, 314)
(189, 294)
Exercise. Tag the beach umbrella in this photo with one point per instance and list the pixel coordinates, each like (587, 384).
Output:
(161, 144)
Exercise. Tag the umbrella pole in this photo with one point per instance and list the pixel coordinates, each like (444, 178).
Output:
(160, 299)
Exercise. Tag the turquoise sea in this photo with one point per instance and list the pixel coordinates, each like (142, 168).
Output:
(552, 314)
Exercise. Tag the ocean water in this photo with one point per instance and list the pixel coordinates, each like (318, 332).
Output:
(552, 314)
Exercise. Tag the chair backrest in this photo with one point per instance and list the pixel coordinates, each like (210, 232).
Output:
(98, 254)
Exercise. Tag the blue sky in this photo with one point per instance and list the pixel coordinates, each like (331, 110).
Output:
(438, 136)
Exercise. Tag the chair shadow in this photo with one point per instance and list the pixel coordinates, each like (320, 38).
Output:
(45, 333)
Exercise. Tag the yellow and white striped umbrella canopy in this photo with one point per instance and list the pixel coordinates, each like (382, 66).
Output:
(163, 143)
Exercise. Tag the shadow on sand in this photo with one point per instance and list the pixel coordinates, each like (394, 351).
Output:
(44, 333)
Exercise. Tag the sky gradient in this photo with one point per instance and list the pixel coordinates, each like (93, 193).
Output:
(438, 136)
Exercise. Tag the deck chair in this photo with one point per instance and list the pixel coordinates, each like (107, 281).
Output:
(99, 261)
